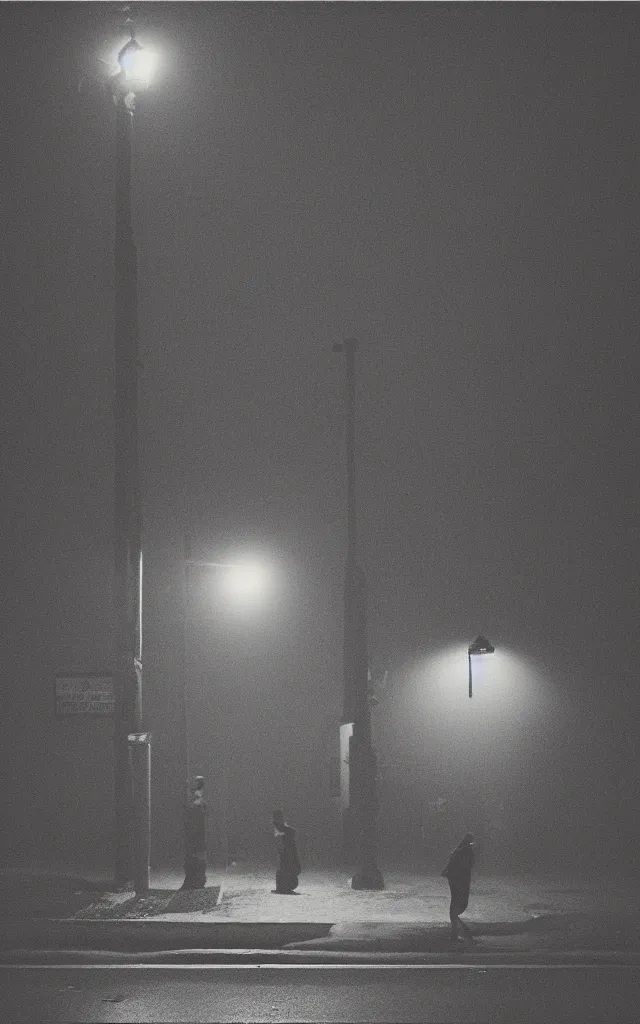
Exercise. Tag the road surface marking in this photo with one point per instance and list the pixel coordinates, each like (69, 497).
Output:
(317, 967)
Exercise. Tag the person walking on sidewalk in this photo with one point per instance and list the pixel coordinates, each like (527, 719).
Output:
(195, 846)
(458, 874)
(288, 860)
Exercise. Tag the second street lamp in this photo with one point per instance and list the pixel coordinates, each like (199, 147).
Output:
(362, 774)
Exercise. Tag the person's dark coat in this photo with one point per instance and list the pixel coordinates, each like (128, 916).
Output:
(288, 860)
(458, 874)
(195, 853)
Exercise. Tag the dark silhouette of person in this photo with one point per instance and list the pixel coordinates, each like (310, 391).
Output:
(288, 860)
(458, 874)
(195, 853)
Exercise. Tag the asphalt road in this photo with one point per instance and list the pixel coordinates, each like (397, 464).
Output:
(446, 993)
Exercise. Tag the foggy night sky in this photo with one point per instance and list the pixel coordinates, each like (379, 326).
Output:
(454, 184)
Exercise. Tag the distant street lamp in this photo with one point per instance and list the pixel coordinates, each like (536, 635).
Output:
(479, 646)
(362, 784)
(243, 583)
(132, 746)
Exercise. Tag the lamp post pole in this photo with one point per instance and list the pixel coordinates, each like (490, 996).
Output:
(187, 789)
(131, 744)
(362, 786)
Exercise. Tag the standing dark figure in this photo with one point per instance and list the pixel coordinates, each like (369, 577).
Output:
(195, 852)
(288, 860)
(458, 874)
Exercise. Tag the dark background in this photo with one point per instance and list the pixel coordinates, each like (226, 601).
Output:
(455, 185)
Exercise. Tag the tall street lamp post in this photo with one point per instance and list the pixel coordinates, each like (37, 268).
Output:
(132, 746)
(362, 774)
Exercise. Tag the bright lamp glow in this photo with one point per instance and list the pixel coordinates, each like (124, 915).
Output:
(245, 583)
(509, 686)
(137, 62)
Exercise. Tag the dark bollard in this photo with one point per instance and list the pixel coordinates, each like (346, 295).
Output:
(195, 852)
(140, 768)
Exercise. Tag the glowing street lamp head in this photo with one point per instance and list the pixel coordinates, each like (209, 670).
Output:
(481, 646)
(136, 64)
(128, 56)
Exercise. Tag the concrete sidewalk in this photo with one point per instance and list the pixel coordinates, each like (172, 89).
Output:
(324, 896)
(239, 910)
(414, 897)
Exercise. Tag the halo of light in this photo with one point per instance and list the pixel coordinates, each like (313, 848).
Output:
(246, 583)
(139, 63)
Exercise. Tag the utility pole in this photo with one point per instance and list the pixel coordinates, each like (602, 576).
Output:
(362, 775)
(132, 750)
